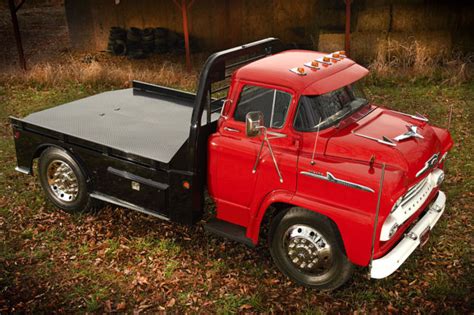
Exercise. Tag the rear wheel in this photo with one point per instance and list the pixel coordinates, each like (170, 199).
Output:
(64, 182)
(307, 248)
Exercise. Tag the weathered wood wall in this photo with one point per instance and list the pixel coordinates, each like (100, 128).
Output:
(436, 24)
(216, 23)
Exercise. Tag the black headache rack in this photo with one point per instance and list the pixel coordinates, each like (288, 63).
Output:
(172, 197)
(214, 82)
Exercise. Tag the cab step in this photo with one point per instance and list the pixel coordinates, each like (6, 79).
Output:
(228, 230)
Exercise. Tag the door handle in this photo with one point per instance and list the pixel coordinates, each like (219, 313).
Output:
(231, 130)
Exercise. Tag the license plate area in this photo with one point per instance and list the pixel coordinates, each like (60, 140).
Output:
(424, 236)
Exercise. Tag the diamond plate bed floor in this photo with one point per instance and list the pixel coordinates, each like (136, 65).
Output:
(153, 127)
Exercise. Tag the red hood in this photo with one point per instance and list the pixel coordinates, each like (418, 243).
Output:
(408, 155)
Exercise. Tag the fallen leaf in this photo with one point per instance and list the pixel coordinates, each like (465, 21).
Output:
(171, 302)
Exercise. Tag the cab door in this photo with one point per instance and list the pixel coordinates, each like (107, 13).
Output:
(237, 188)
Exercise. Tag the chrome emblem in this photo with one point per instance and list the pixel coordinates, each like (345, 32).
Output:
(411, 133)
(432, 161)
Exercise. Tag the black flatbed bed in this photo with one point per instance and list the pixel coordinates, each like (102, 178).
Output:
(150, 125)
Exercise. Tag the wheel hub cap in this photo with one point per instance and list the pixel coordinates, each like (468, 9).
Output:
(62, 181)
(307, 249)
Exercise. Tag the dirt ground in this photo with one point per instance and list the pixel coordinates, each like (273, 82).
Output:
(43, 30)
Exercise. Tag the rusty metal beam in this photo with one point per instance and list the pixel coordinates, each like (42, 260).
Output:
(347, 42)
(184, 12)
(16, 29)
(184, 9)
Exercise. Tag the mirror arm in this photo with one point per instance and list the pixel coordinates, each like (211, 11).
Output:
(254, 170)
(267, 140)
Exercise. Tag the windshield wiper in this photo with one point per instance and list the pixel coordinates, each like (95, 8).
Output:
(354, 106)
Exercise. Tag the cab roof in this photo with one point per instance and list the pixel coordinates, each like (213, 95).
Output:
(275, 70)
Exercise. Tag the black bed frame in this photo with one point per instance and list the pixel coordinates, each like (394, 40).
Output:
(164, 192)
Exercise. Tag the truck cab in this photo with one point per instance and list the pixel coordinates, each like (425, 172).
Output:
(327, 145)
(279, 137)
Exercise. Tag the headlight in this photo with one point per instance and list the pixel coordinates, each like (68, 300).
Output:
(393, 230)
(438, 176)
(389, 228)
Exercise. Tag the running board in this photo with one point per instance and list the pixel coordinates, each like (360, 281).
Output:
(126, 204)
(228, 230)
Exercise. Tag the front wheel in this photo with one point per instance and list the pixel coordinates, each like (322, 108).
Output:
(307, 248)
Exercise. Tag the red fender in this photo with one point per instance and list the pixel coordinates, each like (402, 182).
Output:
(256, 217)
(355, 233)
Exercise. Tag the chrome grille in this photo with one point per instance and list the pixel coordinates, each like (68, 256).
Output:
(414, 199)
(415, 190)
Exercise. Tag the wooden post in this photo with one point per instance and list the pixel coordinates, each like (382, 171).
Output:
(347, 42)
(16, 29)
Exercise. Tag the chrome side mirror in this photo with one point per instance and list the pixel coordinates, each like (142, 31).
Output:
(253, 124)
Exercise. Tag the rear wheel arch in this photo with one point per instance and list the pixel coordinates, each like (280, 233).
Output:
(45, 146)
(67, 186)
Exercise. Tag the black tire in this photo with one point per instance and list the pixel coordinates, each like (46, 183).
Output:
(160, 49)
(82, 202)
(134, 35)
(161, 32)
(336, 269)
(119, 48)
(148, 34)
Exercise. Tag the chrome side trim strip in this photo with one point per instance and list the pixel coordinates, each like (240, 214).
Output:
(331, 178)
(384, 140)
(126, 204)
(417, 116)
(231, 130)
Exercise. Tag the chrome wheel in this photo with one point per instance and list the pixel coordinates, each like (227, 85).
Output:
(307, 250)
(62, 181)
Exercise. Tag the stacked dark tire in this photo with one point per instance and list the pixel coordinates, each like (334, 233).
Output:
(161, 40)
(137, 43)
(148, 40)
(117, 41)
(134, 43)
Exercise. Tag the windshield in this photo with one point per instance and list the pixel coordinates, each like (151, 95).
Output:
(328, 109)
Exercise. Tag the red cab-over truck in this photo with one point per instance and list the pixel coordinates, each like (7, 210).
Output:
(283, 137)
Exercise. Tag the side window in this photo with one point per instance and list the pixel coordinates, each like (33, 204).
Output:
(272, 103)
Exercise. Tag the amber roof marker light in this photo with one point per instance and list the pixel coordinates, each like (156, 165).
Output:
(299, 71)
(313, 65)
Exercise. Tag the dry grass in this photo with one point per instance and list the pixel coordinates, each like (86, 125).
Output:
(416, 60)
(102, 69)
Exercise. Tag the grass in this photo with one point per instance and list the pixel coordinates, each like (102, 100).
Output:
(121, 260)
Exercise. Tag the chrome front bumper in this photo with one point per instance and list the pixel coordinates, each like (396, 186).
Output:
(388, 264)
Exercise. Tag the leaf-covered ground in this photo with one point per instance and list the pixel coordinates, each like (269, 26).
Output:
(120, 260)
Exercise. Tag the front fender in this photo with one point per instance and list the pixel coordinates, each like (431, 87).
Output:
(355, 233)
(256, 217)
